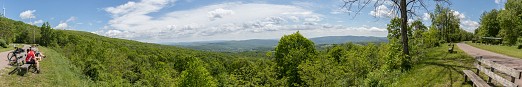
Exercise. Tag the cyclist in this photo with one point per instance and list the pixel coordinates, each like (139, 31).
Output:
(31, 59)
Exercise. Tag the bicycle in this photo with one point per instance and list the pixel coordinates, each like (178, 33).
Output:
(13, 56)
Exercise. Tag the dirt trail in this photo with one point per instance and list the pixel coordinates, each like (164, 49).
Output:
(3, 58)
(508, 61)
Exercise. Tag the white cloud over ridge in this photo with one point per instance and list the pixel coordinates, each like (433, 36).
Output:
(214, 22)
(37, 22)
(62, 26)
(383, 11)
(28, 14)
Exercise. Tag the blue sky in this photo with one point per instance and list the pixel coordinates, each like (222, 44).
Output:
(159, 21)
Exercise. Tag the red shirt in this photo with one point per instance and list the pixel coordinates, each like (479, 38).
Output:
(30, 55)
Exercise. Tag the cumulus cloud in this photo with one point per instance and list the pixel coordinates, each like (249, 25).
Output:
(458, 14)
(234, 20)
(247, 17)
(37, 22)
(383, 11)
(499, 1)
(219, 13)
(28, 14)
(469, 25)
(62, 26)
(426, 16)
(71, 19)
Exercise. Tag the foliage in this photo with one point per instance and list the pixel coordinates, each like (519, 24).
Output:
(3, 44)
(431, 38)
(196, 75)
(510, 26)
(323, 72)
(254, 72)
(394, 28)
(489, 24)
(289, 53)
(448, 25)
(48, 36)
(506, 23)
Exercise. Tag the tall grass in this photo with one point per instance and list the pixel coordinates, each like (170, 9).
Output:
(438, 69)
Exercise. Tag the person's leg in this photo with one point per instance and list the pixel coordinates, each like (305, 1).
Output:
(37, 65)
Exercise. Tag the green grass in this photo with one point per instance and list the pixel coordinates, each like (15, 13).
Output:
(56, 71)
(506, 50)
(438, 69)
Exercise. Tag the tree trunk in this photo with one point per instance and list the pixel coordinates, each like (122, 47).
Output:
(404, 27)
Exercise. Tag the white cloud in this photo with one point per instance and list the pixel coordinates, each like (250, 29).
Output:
(469, 25)
(383, 11)
(426, 16)
(72, 18)
(28, 14)
(62, 26)
(65, 25)
(37, 22)
(458, 14)
(227, 18)
(466, 23)
(228, 21)
(219, 13)
(294, 18)
(499, 1)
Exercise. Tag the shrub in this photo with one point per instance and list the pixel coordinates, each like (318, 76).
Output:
(3, 43)
(520, 46)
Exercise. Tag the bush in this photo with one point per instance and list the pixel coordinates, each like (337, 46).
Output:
(520, 46)
(3, 43)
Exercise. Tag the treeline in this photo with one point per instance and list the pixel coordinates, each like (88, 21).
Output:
(18, 32)
(505, 24)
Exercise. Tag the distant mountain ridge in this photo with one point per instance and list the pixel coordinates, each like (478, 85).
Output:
(268, 44)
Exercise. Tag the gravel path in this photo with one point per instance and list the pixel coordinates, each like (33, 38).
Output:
(3, 58)
(508, 61)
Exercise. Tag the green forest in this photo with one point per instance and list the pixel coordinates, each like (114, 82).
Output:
(505, 24)
(295, 61)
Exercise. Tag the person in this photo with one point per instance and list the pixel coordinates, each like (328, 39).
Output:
(31, 59)
(39, 55)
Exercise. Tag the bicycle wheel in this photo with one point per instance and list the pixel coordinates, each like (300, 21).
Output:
(10, 56)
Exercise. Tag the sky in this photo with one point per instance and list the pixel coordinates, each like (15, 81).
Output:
(165, 21)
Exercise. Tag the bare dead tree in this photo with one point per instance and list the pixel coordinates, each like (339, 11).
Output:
(402, 7)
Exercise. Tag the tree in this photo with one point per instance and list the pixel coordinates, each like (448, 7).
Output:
(511, 22)
(447, 23)
(510, 26)
(394, 28)
(322, 73)
(404, 7)
(289, 53)
(196, 75)
(489, 25)
(418, 28)
(48, 36)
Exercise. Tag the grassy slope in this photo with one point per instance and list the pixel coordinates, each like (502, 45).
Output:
(506, 50)
(439, 69)
(56, 71)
